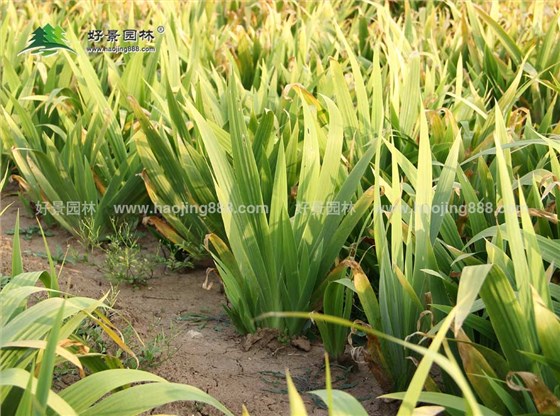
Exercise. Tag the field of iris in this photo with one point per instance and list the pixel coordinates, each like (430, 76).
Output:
(381, 168)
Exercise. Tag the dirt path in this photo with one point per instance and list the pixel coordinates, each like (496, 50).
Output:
(195, 342)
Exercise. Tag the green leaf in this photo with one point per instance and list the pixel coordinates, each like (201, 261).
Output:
(343, 403)
(138, 399)
(20, 378)
(296, 402)
(17, 262)
(446, 400)
(44, 381)
(504, 38)
(472, 279)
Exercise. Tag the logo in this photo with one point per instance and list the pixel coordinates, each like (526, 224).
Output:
(46, 41)
(119, 41)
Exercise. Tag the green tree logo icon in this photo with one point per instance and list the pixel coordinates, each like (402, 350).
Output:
(47, 40)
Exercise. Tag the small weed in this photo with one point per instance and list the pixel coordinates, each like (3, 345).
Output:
(62, 371)
(92, 335)
(75, 254)
(89, 234)
(124, 260)
(60, 256)
(150, 353)
(28, 233)
(284, 339)
(112, 296)
(175, 260)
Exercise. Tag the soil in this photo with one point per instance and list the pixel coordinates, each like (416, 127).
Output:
(198, 345)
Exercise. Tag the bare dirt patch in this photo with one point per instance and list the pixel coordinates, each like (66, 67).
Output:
(201, 347)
